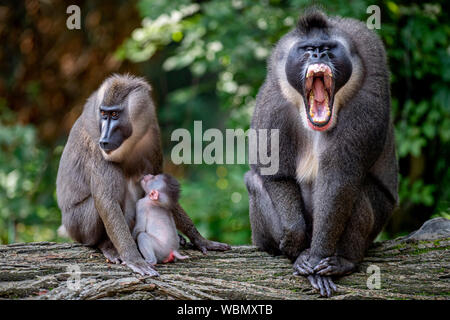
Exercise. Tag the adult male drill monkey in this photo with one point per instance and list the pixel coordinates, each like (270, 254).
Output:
(114, 142)
(327, 91)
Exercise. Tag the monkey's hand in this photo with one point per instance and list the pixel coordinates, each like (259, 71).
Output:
(324, 285)
(306, 266)
(204, 245)
(302, 266)
(141, 266)
(334, 266)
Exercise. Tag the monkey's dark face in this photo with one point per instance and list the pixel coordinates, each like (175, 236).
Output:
(317, 68)
(114, 128)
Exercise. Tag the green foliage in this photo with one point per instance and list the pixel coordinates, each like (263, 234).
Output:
(419, 52)
(217, 201)
(28, 210)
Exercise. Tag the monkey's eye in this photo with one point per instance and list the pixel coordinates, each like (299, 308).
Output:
(103, 114)
(115, 114)
(309, 49)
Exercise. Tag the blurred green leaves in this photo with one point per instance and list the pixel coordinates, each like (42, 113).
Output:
(28, 210)
(216, 199)
(156, 33)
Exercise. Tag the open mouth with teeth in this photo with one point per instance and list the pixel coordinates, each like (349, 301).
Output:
(319, 96)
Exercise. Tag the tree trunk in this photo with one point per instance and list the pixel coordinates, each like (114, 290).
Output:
(413, 267)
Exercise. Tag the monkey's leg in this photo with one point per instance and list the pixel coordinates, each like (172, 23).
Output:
(186, 226)
(276, 215)
(368, 218)
(83, 224)
(145, 245)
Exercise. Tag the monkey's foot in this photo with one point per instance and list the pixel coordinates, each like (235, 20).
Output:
(110, 252)
(324, 285)
(302, 266)
(204, 245)
(142, 267)
(334, 266)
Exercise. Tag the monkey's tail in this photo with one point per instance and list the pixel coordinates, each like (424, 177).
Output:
(62, 232)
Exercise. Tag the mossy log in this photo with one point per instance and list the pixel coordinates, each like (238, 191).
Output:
(413, 267)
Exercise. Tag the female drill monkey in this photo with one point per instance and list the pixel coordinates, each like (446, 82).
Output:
(114, 142)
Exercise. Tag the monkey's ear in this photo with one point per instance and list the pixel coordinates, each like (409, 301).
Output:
(147, 177)
(143, 185)
(154, 195)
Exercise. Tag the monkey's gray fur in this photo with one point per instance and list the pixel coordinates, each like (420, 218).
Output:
(97, 187)
(336, 188)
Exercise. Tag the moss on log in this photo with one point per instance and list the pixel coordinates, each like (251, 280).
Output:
(411, 267)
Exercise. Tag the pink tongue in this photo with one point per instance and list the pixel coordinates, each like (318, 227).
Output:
(319, 90)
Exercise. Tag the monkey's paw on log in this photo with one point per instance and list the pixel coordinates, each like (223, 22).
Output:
(412, 267)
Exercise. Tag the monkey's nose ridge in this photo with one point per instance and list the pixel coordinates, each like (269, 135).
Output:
(106, 145)
(103, 143)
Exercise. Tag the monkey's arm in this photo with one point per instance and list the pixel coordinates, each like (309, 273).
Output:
(333, 201)
(141, 221)
(104, 188)
(146, 246)
(281, 199)
(186, 226)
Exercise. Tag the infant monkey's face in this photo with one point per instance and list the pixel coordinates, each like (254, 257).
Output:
(155, 188)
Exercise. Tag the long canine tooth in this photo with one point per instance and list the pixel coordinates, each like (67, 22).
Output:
(311, 104)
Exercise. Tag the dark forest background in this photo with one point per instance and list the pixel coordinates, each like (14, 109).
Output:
(205, 61)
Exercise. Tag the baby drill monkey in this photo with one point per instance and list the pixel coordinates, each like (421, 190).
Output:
(155, 229)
